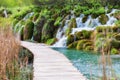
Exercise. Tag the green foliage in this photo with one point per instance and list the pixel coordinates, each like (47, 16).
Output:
(80, 44)
(12, 3)
(73, 45)
(70, 39)
(57, 22)
(114, 51)
(117, 23)
(28, 30)
(86, 34)
(115, 44)
(51, 41)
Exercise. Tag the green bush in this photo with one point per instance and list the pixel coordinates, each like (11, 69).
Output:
(114, 51)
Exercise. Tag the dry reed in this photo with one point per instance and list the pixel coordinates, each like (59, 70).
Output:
(9, 49)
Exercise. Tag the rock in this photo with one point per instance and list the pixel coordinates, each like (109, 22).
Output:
(48, 30)
(35, 17)
(72, 24)
(73, 45)
(86, 34)
(115, 44)
(79, 35)
(28, 30)
(84, 19)
(117, 15)
(38, 28)
(81, 43)
(103, 19)
(70, 39)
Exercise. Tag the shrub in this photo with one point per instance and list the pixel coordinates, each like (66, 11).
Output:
(114, 51)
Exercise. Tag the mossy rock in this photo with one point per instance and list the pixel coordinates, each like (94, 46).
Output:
(117, 15)
(115, 44)
(35, 17)
(89, 48)
(17, 27)
(38, 28)
(80, 44)
(103, 19)
(117, 23)
(72, 45)
(72, 24)
(89, 43)
(70, 39)
(116, 29)
(48, 30)
(114, 51)
(15, 21)
(79, 35)
(28, 30)
(84, 19)
(51, 41)
(117, 37)
(99, 35)
(86, 34)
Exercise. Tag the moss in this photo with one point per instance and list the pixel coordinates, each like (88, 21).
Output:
(89, 48)
(51, 41)
(14, 23)
(114, 51)
(103, 19)
(115, 29)
(72, 24)
(99, 35)
(89, 43)
(38, 28)
(117, 15)
(35, 17)
(80, 44)
(117, 23)
(79, 35)
(115, 44)
(57, 22)
(28, 30)
(117, 37)
(48, 30)
(99, 29)
(84, 19)
(86, 34)
(73, 45)
(70, 39)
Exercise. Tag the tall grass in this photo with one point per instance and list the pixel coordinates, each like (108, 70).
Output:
(9, 49)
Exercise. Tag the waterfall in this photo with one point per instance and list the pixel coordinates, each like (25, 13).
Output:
(5, 13)
(61, 36)
(89, 24)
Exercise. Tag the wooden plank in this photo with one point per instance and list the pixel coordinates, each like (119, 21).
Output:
(50, 64)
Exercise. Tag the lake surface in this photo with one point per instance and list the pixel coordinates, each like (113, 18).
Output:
(89, 63)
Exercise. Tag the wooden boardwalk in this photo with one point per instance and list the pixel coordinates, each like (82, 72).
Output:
(50, 64)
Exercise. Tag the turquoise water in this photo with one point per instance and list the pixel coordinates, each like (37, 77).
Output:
(88, 63)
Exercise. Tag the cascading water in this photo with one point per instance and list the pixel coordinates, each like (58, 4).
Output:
(5, 13)
(90, 24)
(61, 36)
